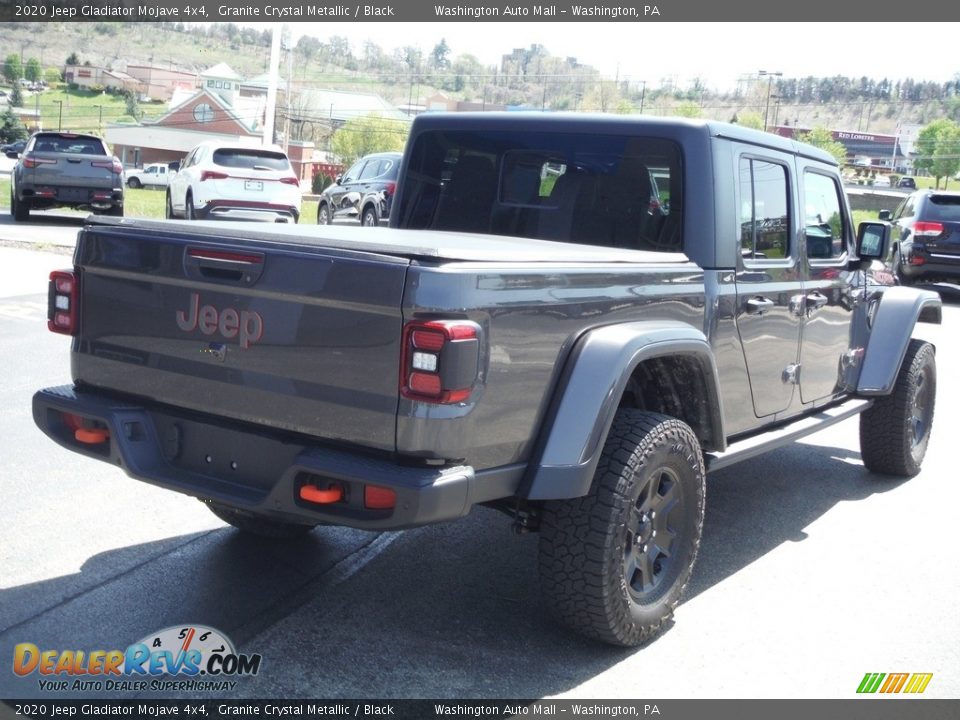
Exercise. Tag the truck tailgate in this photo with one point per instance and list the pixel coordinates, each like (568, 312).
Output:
(297, 338)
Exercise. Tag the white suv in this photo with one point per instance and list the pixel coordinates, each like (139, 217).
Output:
(235, 182)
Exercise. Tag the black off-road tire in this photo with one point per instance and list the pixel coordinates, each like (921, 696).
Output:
(614, 564)
(895, 431)
(254, 524)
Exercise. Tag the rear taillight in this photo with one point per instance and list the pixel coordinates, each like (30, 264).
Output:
(213, 175)
(31, 162)
(291, 180)
(441, 360)
(112, 164)
(390, 187)
(62, 302)
(927, 229)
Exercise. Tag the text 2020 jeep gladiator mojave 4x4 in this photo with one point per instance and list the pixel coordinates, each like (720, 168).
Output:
(573, 319)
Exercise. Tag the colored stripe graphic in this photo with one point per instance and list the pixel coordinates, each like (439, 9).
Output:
(918, 683)
(870, 682)
(895, 682)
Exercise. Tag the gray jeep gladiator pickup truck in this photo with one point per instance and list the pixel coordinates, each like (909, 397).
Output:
(573, 319)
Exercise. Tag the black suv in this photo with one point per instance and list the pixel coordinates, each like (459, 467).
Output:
(907, 182)
(364, 192)
(926, 237)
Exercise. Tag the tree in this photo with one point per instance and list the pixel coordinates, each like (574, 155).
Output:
(33, 72)
(11, 129)
(822, 138)
(439, 55)
(72, 59)
(16, 95)
(12, 68)
(938, 149)
(366, 135)
(687, 109)
(748, 119)
(133, 104)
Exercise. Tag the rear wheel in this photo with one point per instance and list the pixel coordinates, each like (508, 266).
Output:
(189, 212)
(116, 211)
(168, 211)
(255, 524)
(614, 564)
(895, 431)
(370, 218)
(19, 209)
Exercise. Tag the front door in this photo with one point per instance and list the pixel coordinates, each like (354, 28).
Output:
(769, 289)
(829, 300)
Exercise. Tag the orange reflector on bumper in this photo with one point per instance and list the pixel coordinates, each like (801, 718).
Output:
(91, 436)
(379, 498)
(311, 493)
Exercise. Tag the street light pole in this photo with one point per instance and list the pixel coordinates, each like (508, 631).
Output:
(643, 93)
(60, 118)
(769, 75)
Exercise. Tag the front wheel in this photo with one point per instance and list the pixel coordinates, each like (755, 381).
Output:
(134, 183)
(255, 524)
(323, 214)
(614, 563)
(895, 431)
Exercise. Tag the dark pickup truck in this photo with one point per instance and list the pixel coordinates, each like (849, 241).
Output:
(573, 319)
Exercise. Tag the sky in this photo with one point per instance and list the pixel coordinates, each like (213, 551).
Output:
(720, 53)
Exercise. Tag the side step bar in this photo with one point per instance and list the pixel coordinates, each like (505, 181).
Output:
(771, 439)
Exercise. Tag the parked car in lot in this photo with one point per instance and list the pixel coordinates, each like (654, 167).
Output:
(364, 192)
(62, 169)
(881, 181)
(219, 181)
(907, 182)
(926, 240)
(152, 175)
(14, 147)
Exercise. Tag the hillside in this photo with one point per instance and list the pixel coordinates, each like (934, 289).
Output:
(529, 77)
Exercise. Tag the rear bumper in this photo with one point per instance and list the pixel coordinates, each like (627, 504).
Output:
(935, 266)
(246, 468)
(247, 211)
(40, 195)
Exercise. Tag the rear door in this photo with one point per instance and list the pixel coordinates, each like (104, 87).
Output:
(345, 195)
(769, 289)
(71, 161)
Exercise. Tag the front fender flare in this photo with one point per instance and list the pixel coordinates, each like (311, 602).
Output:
(899, 310)
(588, 394)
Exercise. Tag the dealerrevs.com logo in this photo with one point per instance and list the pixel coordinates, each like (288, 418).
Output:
(195, 656)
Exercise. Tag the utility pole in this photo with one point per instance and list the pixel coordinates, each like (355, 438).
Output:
(769, 75)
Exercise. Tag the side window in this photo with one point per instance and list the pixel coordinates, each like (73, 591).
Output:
(823, 217)
(370, 170)
(353, 173)
(764, 210)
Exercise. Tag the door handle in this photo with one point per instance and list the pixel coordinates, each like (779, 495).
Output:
(816, 300)
(759, 305)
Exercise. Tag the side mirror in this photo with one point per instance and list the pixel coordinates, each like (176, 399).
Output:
(12, 154)
(886, 215)
(873, 239)
(338, 179)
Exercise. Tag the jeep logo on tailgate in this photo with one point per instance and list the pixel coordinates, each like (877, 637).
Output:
(229, 322)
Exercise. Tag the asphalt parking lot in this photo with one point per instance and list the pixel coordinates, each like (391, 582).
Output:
(812, 572)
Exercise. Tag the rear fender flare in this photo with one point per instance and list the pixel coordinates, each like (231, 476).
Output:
(898, 311)
(589, 391)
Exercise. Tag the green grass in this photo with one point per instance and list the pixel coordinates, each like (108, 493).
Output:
(149, 203)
